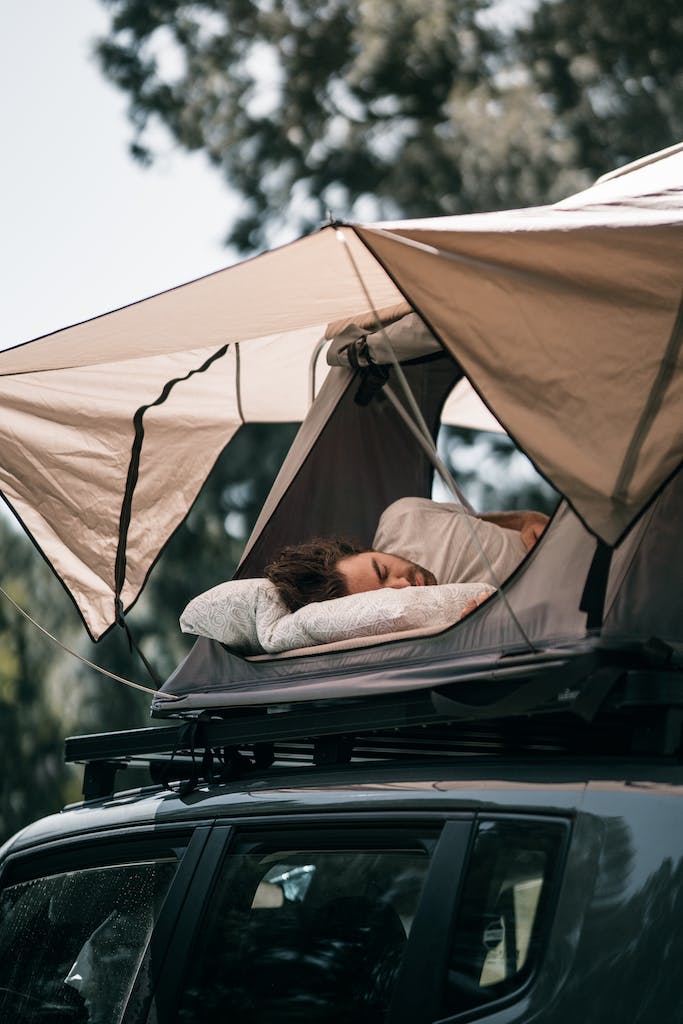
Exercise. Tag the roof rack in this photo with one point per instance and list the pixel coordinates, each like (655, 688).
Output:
(591, 712)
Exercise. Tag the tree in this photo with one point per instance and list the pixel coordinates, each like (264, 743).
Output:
(611, 75)
(34, 778)
(306, 106)
(376, 109)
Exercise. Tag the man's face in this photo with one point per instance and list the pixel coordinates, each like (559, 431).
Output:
(375, 570)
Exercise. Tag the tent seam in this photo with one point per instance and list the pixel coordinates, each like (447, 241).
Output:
(238, 383)
(654, 402)
(132, 478)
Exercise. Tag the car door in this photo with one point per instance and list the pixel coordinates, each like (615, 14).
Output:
(396, 920)
(480, 936)
(404, 919)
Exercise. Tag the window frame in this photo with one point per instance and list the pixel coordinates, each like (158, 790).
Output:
(418, 994)
(420, 985)
(111, 848)
(542, 922)
(335, 832)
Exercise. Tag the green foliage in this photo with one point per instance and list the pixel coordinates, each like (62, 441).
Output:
(492, 473)
(45, 693)
(376, 109)
(34, 778)
(306, 106)
(611, 74)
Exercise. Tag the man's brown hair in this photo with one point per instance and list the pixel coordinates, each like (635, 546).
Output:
(304, 573)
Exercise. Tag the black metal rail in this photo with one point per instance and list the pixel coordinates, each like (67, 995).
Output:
(604, 709)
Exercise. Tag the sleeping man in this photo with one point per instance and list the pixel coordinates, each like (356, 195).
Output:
(418, 543)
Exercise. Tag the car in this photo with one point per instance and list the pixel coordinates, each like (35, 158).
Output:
(363, 860)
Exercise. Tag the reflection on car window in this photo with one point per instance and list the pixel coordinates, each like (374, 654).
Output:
(304, 936)
(71, 944)
(496, 936)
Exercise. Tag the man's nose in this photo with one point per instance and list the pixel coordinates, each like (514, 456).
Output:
(398, 582)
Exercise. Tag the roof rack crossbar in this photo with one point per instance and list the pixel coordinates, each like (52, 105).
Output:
(404, 725)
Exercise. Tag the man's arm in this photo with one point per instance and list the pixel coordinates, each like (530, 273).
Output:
(530, 524)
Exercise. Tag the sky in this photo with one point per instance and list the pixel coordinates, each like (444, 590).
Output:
(84, 228)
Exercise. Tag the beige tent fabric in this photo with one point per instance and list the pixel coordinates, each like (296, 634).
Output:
(565, 318)
(307, 283)
(66, 444)
(369, 322)
(568, 320)
(464, 408)
(336, 382)
(406, 338)
(68, 402)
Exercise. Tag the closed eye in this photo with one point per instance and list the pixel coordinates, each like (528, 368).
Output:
(380, 571)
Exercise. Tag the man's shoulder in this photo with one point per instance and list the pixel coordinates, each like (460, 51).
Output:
(405, 521)
(410, 506)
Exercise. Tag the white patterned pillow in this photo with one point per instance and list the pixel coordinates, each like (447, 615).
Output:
(231, 611)
(250, 617)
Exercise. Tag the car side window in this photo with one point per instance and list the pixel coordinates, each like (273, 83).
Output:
(498, 931)
(71, 943)
(299, 933)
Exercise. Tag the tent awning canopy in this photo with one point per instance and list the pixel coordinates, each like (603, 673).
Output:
(566, 320)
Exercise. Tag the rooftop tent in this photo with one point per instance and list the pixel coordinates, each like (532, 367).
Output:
(537, 625)
(565, 320)
(564, 607)
(568, 320)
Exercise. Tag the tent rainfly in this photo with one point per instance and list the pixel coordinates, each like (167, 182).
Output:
(565, 320)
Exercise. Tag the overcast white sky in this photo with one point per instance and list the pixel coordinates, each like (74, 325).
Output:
(84, 228)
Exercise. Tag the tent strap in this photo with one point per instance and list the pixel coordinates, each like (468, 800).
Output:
(79, 657)
(132, 478)
(595, 589)
(134, 646)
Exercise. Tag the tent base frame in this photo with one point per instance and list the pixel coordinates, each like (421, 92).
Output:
(624, 712)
